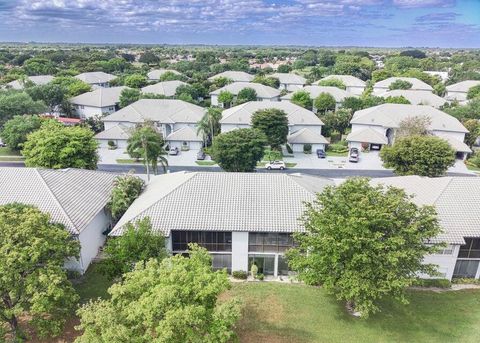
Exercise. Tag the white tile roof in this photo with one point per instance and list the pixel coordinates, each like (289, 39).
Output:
(166, 111)
(37, 80)
(157, 73)
(315, 91)
(456, 144)
(186, 134)
(263, 91)
(242, 114)
(367, 135)
(289, 78)
(417, 97)
(117, 132)
(391, 115)
(306, 136)
(235, 76)
(73, 197)
(348, 80)
(416, 83)
(95, 77)
(456, 199)
(224, 202)
(167, 88)
(463, 86)
(100, 97)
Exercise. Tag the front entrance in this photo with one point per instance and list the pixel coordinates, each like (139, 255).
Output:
(265, 263)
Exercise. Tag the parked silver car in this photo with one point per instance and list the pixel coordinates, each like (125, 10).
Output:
(173, 151)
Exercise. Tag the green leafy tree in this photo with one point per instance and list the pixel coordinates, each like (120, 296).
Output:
(419, 155)
(468, 111)
(284, 68)
(274, 124)
(209, 125)
(15, 131)
(225, 98)
(33, 280)
(13, 103)
(173, 300)
(39, 66)
(332, 82)
(73, 85)
(149, 58)
(126, 189)
(336, 121)
(138, 243)
(400, 84)
(129, 96)
(366, 252)
(413, 53)
(267, 81)
(413, 126)
(53, 95)
(397, 100)
(302, 98)
(245, 95)
(57, 146)
(324, 102)
(147, 143)
(473, 126)
(135, 81)
(220, 82)
(473, 92)
(171, 76)
(239, 150)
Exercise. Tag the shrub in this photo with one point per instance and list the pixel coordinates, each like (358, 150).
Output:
(474, 160)
(438, 283)
(260, 277)
(335, 136)
(240, 274)
(254, 270)
(289, 149)
(337, 147)
(111, 145)
(469, 281)
(307, 148)
(185, 148)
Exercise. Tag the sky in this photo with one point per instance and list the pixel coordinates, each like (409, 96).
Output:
(372, 23)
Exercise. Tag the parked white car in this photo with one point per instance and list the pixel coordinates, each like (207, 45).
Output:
(279, 165)
(173, 151)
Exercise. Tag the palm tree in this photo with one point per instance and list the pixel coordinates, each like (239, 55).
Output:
(146, 142)
(209, 125)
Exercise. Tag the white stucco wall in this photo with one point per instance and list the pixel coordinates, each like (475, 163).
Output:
(299, 147)
(89, 111)
(445, 263)
(121, 143)
(240, 251)
(191, 145)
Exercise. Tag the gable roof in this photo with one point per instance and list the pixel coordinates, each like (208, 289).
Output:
(417, 97)
(166, 111)
(416, 83)
(242, 114)
(236, 202)
(263, 91)
(157, 73)
(391, 115)
(315, 91)
(95, 77)
(116, 132)
(186, 133)
(73, 197)
(235, 76)
(348, 80)
(37, 80)
(289, 78)
(167, 88)
(456, 199)
(367, 135)
(100, 97)
(463, 86)
(306, 136)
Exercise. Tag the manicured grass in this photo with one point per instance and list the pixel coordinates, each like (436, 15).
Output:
(281, 313)
(472, 167)
(337, 154)
(206, 163)
(128, 161)
(92, 284)
(6, 151)
(11, 158)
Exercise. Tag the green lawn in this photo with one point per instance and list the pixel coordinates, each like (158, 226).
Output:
(6, 151)
(128, 161)
(283, 313)
(92, 284)
(338, 154)
(206, 163)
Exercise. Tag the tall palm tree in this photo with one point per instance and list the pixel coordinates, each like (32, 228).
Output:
(209, 125)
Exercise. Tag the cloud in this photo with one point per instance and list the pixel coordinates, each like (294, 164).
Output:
(423, 3)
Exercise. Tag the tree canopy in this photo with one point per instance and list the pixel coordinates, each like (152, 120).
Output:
(126, 189)
(324, 102)
(332, 82)
(135, 81)
(226, 98)
(14, 103)
(274, 124)
(364, 243)
(16, 130)
(400, 84)
(129, 96)
(302, 98)
(473, 92)
(245, 95)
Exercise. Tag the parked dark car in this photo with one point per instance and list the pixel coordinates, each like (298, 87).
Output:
(321, 153)
(201, 155)
(354, 155)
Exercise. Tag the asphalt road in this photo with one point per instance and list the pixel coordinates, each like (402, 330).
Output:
(330, 173)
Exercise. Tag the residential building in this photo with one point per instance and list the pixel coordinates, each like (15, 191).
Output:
(442, 75)
(417, 97)
(353, 84)
(156, 74)
(168, 116)
(459, 91)
(240, 218)
(99, 102)
(289, 81)
(165, 88)
(315, 91)
(264, 93)
(97, 79)
(303, 125)
(235, 76)
(37, 80)
(375, 124)
(383, 86)
(76, 198)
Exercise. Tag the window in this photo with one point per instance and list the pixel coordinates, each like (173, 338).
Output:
(465, 269)
(269, 242)
(471, 249)
(222, 261)
(282, 265)
(265, 263)
(212, 241)
(448, 250)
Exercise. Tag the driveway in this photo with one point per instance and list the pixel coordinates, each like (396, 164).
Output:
(184, 158)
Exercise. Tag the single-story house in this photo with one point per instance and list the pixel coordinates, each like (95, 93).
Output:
(168, 115)
(289, 81)
(98, 102)
(96, 78)
(353, 84)
(76, 198)
(156, 74)
(264, 93)
(235, 76)
(315, 91)
(37, 80)
(417, 97)
(248, 218)
(166, 88)
(459, 91)
(385, 119)
(383, 86)
(303, 125)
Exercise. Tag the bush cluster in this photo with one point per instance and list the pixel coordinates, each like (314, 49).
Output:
(240, 274)
(438, 283)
